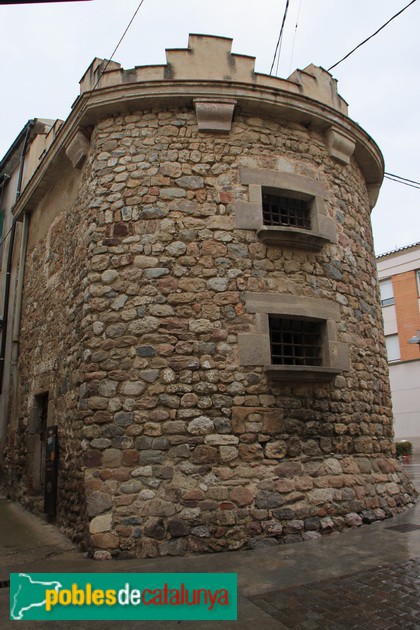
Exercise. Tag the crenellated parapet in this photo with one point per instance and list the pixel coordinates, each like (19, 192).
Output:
(209, 58)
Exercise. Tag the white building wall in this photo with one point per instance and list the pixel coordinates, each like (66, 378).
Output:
(399, 263)
(404, 375)
(405, 387)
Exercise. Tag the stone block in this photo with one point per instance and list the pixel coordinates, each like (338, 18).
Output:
(242, 496)
(112, 458)
(201, 425)
(353, 520)
(276, 449)
(177, 528)
(267, 499)
(92, 458)
(228, 453)
(154, 527)
(105, 540)
(221, 439)
(98, 502)
(131, 487)
(102, 523)
(204, 455)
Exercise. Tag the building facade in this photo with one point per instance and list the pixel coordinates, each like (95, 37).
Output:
(399, 275)
(16, 169)
(201, 328)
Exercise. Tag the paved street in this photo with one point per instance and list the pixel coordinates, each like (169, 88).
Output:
(367, 577)
(386, 597)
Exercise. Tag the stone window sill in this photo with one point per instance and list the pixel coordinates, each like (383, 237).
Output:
(301, 372)
(292, 237)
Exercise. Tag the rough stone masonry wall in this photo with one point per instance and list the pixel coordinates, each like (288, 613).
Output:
(184, 448)
(50, 353)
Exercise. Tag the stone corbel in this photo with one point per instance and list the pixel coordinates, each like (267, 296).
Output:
(77, 149)
(214, 114)
(339, 145)
(373, 193)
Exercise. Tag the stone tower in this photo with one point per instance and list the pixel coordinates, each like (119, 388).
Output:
(201, 309)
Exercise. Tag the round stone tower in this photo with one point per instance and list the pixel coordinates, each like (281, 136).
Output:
(233, 383)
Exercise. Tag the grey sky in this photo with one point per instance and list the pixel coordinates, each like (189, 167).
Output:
(45, 49)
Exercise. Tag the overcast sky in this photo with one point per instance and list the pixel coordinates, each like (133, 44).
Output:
(46, 48)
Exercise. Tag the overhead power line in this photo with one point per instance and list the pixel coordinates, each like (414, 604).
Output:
(412, 181)
(118, 45)
(278, 45)
(2, 240)
(402, 180)
(373, 35)
(294, 37)
(108, 61)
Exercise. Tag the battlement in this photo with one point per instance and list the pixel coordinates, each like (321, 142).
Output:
(209, 58)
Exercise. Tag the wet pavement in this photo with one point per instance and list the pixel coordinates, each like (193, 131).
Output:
(386, 597)
(366, 577)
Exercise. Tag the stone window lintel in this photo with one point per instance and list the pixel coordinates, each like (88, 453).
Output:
(293, 305)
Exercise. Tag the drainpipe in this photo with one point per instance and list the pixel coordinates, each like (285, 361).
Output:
(18, 308)
(21, 275)
(29, 128)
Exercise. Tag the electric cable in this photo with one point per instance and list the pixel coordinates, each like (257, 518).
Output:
(373, 35)
(108, 61)
(99, 78)
(412, 181)
(399, 181)
(278, 45)
(294, 37)
(97, 82)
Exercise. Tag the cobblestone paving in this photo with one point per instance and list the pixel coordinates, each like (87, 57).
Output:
(385, 598)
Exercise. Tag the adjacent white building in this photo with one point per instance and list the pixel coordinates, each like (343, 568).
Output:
(399, 276)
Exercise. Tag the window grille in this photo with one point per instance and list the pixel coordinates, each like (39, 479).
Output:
(295, 342)
(286, 211)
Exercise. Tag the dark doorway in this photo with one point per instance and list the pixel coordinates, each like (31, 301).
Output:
(37, 442)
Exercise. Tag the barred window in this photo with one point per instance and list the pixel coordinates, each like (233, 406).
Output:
(295, 342)
(285, 211)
